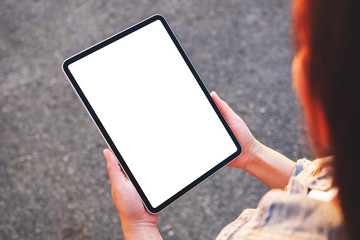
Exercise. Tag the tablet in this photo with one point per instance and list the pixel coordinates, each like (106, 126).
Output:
(153, 111)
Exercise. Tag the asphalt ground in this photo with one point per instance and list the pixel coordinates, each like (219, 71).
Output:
(53, 178)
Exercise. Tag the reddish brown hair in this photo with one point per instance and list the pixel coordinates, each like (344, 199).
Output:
(331, 31)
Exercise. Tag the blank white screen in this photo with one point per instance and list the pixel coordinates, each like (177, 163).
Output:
(154, 111)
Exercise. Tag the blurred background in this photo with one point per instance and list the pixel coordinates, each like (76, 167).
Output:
(53, 178)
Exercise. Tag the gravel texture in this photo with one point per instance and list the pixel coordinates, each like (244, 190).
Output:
(53, 178)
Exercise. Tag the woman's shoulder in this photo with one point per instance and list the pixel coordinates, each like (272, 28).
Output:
(309, 175)
(292, 214)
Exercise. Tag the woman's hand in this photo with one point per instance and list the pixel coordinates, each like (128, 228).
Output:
(271, 167)
(249, 144)
(137, 222)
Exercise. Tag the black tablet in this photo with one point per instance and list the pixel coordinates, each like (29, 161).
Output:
(153, 111)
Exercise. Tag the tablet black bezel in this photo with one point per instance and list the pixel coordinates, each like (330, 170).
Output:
(106, 136)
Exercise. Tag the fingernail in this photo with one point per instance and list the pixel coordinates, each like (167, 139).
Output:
(106, 154)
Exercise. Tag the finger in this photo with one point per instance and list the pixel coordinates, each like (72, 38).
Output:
(117, 177)
(230, 116)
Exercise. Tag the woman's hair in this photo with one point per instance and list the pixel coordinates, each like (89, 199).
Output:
(331, 31)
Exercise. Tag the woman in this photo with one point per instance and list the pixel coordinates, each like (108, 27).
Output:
(309, 200)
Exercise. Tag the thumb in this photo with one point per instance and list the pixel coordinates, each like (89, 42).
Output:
(231, 117)
(117, 177)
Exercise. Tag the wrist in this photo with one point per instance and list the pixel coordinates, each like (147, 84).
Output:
(269, 166)
(140, 230)
(253, 155)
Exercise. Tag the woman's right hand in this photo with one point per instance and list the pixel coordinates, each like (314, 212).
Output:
(242, 133)
(271, 167)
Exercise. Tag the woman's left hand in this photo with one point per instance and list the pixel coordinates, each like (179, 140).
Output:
(137, 222)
